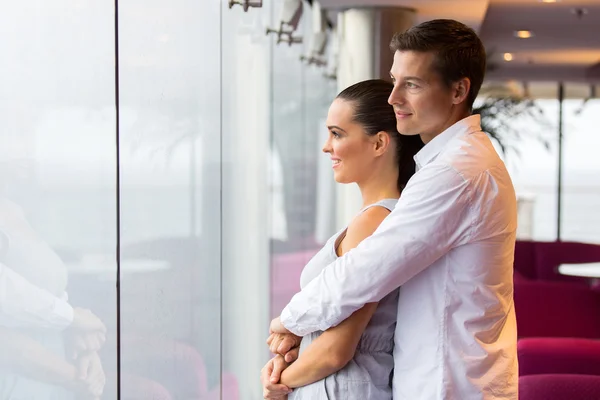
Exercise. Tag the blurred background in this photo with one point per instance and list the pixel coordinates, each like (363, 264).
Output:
(162, 183)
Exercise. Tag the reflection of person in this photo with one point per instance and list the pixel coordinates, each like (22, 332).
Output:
(25, 357)
(354, 359)
(449, 242)
(35, 314)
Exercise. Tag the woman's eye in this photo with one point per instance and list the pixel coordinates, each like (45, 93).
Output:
(335, 134)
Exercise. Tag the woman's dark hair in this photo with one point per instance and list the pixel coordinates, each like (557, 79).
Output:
(374, 114)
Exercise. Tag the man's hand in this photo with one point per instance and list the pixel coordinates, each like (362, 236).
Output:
(85, 320)
(286, 345)
(79, 342)
(277, 327)
(269, 378)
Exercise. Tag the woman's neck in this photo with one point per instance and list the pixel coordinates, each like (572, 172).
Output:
(382, 187)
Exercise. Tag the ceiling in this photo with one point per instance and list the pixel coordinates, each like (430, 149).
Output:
(565, 45)
(470, 12)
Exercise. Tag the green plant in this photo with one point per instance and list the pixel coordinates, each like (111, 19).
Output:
(508, 119)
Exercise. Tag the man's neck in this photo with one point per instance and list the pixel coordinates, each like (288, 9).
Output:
(428, 137)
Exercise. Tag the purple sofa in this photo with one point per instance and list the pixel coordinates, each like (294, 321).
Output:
(540, 260)
(559, 356)
(556, 309)
(559, 387)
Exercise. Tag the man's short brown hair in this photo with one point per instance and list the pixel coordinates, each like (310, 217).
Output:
(459, 53)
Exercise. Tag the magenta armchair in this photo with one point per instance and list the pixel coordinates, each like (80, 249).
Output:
(559, 387)
(556, 309)
(540, 260)
(559, 356)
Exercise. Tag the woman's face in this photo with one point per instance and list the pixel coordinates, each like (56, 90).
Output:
(352, 151)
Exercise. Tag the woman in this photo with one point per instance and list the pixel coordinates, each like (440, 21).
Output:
(354, 359)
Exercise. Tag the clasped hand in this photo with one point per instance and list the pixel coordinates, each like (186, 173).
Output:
(90, 376)
(85, 337)
(285, 346)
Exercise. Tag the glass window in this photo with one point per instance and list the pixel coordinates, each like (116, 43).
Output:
(301, 97)
(245, 207)
(170, 198)
(57, 199)
(528, 129)
(581, 166)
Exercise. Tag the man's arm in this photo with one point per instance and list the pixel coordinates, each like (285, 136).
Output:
(330, 352)
(334, 348)
(23, 304)
(432, 216)
(25, 356)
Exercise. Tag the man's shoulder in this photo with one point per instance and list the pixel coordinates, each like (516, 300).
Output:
(472, 156)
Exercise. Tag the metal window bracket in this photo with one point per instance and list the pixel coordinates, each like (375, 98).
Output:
(246, 4)
(284, 36)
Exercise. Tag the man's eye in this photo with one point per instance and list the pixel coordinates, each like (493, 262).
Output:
(410, 85)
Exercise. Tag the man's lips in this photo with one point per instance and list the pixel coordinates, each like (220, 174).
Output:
(402, 114)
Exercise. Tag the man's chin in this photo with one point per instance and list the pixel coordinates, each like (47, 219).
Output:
(406, 129)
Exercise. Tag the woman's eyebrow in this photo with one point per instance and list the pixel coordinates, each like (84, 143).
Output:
(330, 127)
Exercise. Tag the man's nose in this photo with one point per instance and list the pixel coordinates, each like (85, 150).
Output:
(396, 97)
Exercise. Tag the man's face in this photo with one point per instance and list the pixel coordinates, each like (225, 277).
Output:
(423, 103)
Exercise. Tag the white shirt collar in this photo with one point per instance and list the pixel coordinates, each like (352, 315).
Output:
(430, 151)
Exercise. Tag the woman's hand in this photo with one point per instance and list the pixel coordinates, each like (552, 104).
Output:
(79, 342)
(269, 378)
(90, 375)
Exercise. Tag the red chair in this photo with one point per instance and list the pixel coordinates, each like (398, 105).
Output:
(559, 387)
(540, 260)
(559, 356)
(135, 387)
(554, 309)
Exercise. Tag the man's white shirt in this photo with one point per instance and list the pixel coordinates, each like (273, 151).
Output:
(24, 305)
(449, 245)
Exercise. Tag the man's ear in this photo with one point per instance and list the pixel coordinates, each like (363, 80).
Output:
(461, 90)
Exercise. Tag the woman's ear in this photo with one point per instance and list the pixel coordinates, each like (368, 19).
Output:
(381, 143)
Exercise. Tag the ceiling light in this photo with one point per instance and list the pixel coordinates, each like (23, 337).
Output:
(550, 1)
(579, 12)
(508, 57)
(524, 34)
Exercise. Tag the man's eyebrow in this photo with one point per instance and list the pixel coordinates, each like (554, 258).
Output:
(413, 78)
(408, 78)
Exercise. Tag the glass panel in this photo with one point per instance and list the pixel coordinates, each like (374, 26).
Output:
(301, 98)
(581, 168)
(288, 142)
(57, 200)
(531, 155)
(170, 198)
(245, 157)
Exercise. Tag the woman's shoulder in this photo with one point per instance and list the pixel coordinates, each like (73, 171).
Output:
(365, 224)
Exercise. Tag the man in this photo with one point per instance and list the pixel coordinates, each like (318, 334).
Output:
(449, 243)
